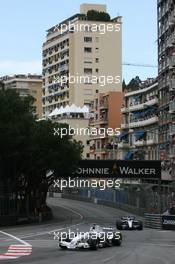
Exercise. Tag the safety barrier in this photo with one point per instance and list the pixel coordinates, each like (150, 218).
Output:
(153, 221)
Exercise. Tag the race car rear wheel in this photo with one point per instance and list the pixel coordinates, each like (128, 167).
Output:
(116, 241)
(119, 225)
(63, 247)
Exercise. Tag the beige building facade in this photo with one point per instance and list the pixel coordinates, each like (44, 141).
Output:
(25, 85)
(88, 52)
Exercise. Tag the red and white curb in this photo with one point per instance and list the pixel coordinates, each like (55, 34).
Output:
(16, 251)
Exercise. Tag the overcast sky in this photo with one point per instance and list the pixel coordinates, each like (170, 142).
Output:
(23, 26)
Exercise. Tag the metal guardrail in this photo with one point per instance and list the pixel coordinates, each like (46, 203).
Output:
(153, 221)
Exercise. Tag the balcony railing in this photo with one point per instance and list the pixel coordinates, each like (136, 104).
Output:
(124, 125)
(172, 129)
(104, 105)
(101, 150)
(123, 144)
(171, 84)
(139, 143)
(172, 107)
(143, 123)
(172, 61)
(152, 141)
(172, 152)
(143, 105)
(124, 109)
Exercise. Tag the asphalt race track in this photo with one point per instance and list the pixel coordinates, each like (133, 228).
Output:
(37, 244)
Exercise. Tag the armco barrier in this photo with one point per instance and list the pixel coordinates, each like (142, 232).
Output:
(168, 222)
(153, 221)
(123, 207)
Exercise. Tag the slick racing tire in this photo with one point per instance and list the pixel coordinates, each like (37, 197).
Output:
(119, 225)
(117, 241)
(140, 226)
(93, 244)
(62, 247)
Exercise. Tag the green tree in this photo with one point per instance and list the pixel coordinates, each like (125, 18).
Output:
(98, 16)
(29, 149)
(134, 84)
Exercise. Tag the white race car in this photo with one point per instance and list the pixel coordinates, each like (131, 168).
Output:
(129, 223)
(97, 237)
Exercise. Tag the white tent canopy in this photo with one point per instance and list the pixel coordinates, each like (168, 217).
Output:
(69, 109)
(55, 112)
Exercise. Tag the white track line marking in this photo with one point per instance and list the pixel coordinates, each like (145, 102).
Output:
(58, 229)
(16, 251)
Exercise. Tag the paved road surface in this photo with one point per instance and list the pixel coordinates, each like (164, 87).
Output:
(36, 244)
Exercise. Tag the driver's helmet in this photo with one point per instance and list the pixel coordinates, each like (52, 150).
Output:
(93, 227)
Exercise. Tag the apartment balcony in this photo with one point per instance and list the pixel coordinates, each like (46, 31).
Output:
(152, 141)
(172, 19)
(171, 84)
(163, 83)
(98, 136)
(123, 144)
(102, 121)
(172, 107)
(124, 110)
(143, 123)
(170, 43)
(172, 129)
(139, 143)
(172, 61)
(64, 67)
(143, 105)
(164, 101)
(172, 152)
(103, 105)
(123, 126)
(101, 150)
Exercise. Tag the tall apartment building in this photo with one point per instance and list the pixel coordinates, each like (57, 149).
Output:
(80, 47)
(106, 118)
(166, 61)
(26, 85)
(139, 135)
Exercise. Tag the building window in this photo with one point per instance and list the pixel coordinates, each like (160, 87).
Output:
(97, 50)
(96, 70)
(88, 60)
(87, 49)
(97, 60)
(87, 39)
(87, 71)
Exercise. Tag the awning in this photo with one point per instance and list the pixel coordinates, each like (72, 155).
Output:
(137, 96)
(139, 133)
(123, 135)
(138, 114)
(148, 111)
(129, 155)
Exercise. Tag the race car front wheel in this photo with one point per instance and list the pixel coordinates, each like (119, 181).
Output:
(93, 244)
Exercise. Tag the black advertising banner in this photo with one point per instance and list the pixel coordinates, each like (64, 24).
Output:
(119, 169)
(168, 222)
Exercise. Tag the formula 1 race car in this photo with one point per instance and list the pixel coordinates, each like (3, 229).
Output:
(129, 223)
(97, 237)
